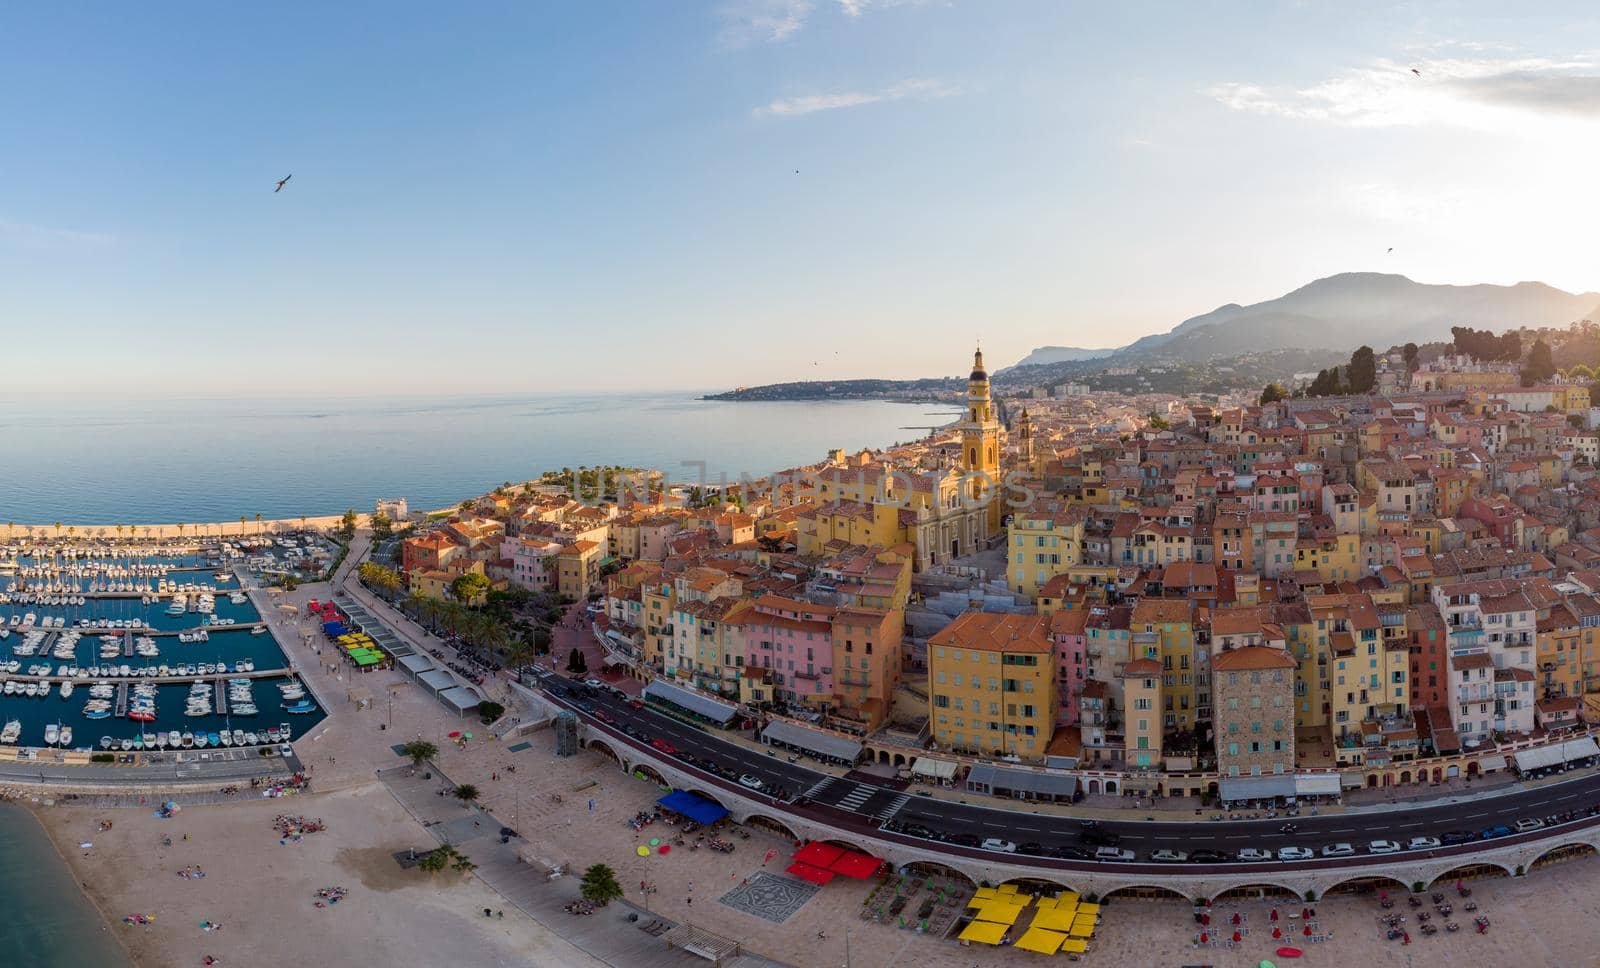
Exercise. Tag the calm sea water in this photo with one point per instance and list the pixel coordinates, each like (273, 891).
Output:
(48, 923)
(111, 462)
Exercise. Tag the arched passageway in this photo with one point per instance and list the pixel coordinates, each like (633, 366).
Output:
(1369, 885)
(1565, 852)
(1145, 892)
(762, 822)
(1470, 872)
(1257, 892)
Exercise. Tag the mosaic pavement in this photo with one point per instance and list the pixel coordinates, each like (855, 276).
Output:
(773, 897)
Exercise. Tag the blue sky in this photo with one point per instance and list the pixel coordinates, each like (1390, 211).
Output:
(501, 197)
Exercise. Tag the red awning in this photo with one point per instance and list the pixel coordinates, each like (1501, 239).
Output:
(806, 872)
(854, 864)
(818, 854)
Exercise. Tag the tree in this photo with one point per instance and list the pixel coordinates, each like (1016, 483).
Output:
(347, 524)
(1540, 367)
(466, 793)
(1273, 392)
(382, 527)
(490, 711)
(1363, 374)
(436, 860)
(1410, 351)
(420, 751)
(541, 641)
(576, 663)
(600, 885)
(469, 587)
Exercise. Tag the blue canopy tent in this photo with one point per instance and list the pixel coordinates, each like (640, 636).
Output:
(334, 629)
(693, 806)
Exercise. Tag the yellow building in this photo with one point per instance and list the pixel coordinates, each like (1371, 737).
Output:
(1045, 540)
(578, 568)
(1334, 557)
(847, 522)
(1141, 716)
(658, 601)
(992, 685)
(1368, 672)
(1558, 645)
(1163, 629)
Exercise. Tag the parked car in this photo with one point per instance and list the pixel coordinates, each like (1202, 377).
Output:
(1208, 856)
(917, 830)
(1498, 830)
(750, 781)
(636, 704)
(1295, 853)
(1165, 856)
(593, 683)
(1458, 837)
(1338, 850)
(1383, 847)
(995, 843)
(664, 746)
(1113, 854)
(1069, 852)
(1422, 843)
(1529, 824)
(604, 716)
(1254, 853)
(963, 840)
(1033, 849)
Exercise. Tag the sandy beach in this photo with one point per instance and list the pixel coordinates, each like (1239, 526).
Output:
(263, 893)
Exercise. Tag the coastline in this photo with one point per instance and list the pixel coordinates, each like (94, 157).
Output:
(73, 899)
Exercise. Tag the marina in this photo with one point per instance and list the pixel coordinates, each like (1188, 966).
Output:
(106, 649)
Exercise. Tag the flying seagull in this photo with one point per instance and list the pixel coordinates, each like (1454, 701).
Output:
(282, 183)
(1391, 249)
(1416, 72)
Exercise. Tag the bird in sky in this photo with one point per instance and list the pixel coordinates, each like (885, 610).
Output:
(282, 183)
(1391, 248)
(1416, 72)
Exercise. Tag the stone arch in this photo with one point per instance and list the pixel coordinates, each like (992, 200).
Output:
(1255, 891)
(883, 757)
(929, 868)
(1044, 886)
(1368, 884)
(1468, 872)
(1472, 768)
(1556, 855)
(713, 797)
(1111, 786)
(763, 822)
(605, 749)
(1094, 785)
(1372, 781)
(847, 845)
(650, 773)
(1438, 774)
(1405, 777)
(899, 760)
(1146, 892)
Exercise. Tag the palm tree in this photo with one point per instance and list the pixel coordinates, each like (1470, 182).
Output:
(180, 529)
(466, 793)
(258, 524)
(58, 529)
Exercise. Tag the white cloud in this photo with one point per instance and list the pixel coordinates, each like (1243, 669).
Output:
(762, 21)
(812, 103)
(852, 8)
(1489, 93)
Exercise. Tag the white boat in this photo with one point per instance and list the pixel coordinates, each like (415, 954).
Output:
(174, 739)
(66, 688)
(52, 732)
(65, 738)
(12, 730)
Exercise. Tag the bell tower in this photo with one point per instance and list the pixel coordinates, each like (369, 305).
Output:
(980, 442)
(1025, 438)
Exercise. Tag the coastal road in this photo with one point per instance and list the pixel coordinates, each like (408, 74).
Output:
(865, 805)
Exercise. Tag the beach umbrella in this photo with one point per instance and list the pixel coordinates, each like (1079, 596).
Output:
(1205, 919)
(1204, 938)
(1274, 914)
(1236, 917)
(1307, 931)
(655, 841)
(665, 848)
(467, 735)
(455, 734)
(642, 851)
(1305, 912)
(1237, 937)
(1277, 933)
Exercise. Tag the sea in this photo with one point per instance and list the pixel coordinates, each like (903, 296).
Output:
(108, 462)
(48, 921)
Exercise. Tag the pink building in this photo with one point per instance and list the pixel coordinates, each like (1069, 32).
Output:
(1072, 646)
(795, 640)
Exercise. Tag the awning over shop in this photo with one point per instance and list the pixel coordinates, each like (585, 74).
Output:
(1056, 919)
(806, 872)
(1236, 788)
(687, 699)
(1316, 785)
(1000, 911)
(821, 744)
(693, 806)
(1539, 758)
(1492, 764)
(984, 932)
(1002, 781)
(1579, 749)
(1042, 941)
(857, 865)
(935, 769)
(818, 854)
(1075, 946)
(1350, 781)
